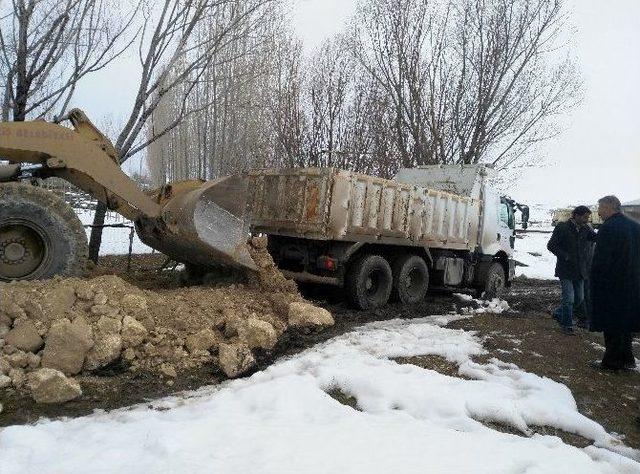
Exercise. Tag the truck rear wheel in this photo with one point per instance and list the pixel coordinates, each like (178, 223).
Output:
(40, 235)
(369, 281)
(494, 283)
(410, 279)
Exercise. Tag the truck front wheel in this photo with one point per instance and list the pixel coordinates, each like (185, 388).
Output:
(410, 279)
(368, 282)
(494, 283)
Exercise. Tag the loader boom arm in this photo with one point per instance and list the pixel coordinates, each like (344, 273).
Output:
(82, 155)
(193, 222)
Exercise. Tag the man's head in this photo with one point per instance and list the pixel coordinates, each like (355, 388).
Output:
(608, 206)
(581, 214)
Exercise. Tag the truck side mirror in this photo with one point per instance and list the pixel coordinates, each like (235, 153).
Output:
(525, 217)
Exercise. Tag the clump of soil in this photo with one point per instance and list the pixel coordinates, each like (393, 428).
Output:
(75, 326)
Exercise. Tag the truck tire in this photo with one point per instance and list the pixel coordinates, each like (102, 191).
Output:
(368, 282)
(40, 235)
(494, 283)
(410, 279)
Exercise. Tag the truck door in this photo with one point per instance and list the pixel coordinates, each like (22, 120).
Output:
(507, 226)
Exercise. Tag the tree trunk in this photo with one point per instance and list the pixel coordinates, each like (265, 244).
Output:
(96, 232)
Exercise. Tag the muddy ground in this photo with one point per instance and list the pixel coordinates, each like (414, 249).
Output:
(527, 337)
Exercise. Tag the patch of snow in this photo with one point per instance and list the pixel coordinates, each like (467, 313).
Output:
(281, 419)
(495, 305)
(115, 240)
(464, 297)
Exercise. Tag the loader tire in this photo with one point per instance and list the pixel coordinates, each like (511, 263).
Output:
(40, 235)
(494, 283)
(368, 282)
(410, 279)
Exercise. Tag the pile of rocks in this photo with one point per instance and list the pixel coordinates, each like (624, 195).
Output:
(54, 330)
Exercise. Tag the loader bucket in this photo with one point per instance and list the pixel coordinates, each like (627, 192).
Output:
(205, 226)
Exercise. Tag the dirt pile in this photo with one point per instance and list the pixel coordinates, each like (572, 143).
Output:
(53, 330)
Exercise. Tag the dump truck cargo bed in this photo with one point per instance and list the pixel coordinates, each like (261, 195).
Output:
(331, 204)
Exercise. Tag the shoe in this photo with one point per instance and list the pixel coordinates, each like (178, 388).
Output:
(605, 368)
(568, 330)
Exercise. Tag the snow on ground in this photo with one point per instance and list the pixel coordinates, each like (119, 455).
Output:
(115, 240)
(282, 420)
(495, 306)
(531, 250)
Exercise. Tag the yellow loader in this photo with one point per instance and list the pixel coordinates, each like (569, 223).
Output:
(195, 222)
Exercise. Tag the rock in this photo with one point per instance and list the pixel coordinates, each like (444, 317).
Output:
(4, 330)
(100, 299)
(18, 360)
(8, 349)
(51, 386)
(105, 350)
(129, 354)
(84, 292)
(235, 359)
(307, 315)
(33, 360)
(203, 340)
(17, 377)
(256, 333)
(33, 310)
(59, 299)
(168, 370)
(5, 381)
(232, 326)
(5, 366)
(104, 310)
(179, 353)
(5, 320)
(133, 304)
(24, 336)
(109, 325)
(14, 311)
(67, 345)
(133, 332)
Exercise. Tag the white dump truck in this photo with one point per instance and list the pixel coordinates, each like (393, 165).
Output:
(431, 226)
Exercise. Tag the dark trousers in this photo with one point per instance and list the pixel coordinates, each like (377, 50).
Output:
(618, 352)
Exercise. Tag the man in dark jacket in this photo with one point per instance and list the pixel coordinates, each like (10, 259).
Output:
(615, 285)
(570, 243)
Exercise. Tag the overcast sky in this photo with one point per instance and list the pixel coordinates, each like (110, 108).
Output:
(598, 154)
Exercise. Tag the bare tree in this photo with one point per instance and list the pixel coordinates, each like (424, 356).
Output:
(48, 46)
(290, 122)
(468, 80)
(231, 126)
(176, 47)
(513, 77)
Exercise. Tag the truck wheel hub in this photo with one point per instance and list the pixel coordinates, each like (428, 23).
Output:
(14, 252)
(23, 249)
